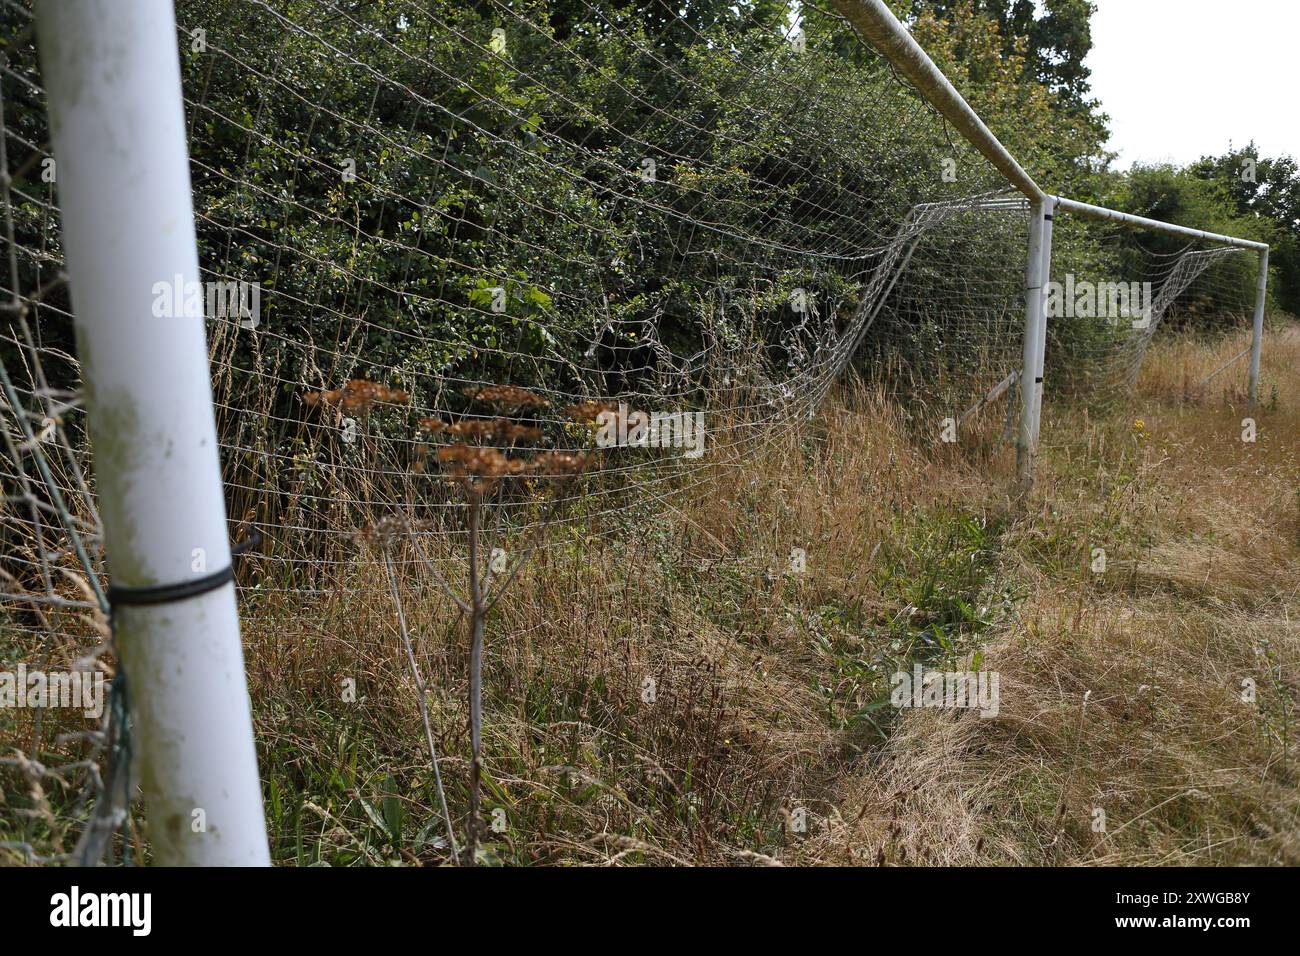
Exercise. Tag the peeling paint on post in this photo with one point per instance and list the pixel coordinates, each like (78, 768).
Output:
(112, 75)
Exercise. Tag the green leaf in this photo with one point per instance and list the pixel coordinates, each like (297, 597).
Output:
(392, 809)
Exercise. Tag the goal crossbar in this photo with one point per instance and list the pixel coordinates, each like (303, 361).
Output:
(878, 25)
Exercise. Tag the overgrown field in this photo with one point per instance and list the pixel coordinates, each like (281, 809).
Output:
(679, 694)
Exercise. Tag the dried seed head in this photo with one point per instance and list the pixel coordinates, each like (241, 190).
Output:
(496, 429)
(590, 411)
(477, 468)
(559, 464)
(357, 394)
(506, 396)
(386, 530)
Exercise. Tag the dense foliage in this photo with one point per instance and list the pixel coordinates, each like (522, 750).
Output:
(476, 167)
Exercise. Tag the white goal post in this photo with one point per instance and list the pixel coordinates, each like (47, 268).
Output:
(877, 24)
(113, 80)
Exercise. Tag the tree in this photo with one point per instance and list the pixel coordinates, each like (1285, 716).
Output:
(1059, 39)
(1059, 141)
(1267, 187)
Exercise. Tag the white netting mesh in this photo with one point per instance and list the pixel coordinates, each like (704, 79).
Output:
(1115, 288)
(704, 213)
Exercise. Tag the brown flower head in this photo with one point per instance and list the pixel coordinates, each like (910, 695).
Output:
(495, 429)
(590, 411)
(506, 396)
(560, 464)
(357, 394)
(386, 530)
(477, 468)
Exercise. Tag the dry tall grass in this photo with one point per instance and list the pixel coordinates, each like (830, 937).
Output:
(669, 686)
(679, 693)
(1122, 692)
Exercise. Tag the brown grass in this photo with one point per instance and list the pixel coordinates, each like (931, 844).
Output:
(1120, 691)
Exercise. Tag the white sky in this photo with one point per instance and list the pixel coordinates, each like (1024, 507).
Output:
(1181, 78)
